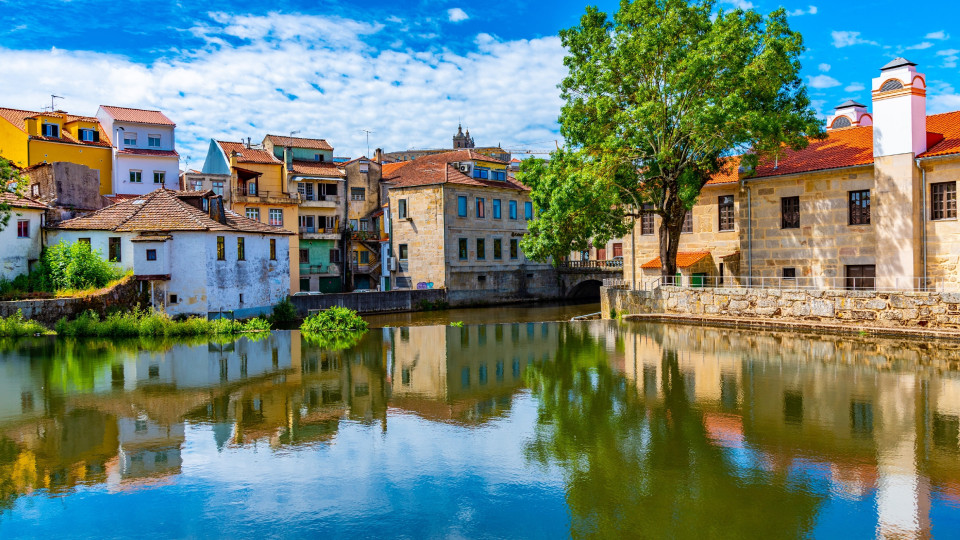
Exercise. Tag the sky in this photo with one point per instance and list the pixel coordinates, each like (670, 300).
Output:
(408, 72)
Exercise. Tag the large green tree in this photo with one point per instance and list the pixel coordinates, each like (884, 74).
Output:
(657, 100)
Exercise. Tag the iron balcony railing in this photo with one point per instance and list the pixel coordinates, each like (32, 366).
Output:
(609, 263)
(877, 284)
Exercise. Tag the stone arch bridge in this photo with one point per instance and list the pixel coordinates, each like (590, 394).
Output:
(583, 279)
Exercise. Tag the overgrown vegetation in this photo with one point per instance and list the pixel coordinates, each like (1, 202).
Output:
(457, 324)
(16, 326)
(427, 305)
(335, 319)
(284, 313)
(142, 323)
(65, 269)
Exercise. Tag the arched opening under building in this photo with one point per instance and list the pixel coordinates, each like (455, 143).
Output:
(586, 291)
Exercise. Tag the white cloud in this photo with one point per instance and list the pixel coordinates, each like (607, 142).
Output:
(855, 87)
(940, 34)
(740, 4)
(822, 81)
(457, 15)
(847, 38)
(824, 67)
(920, 46)
(950, 57)
(811, 10)
(313, 74)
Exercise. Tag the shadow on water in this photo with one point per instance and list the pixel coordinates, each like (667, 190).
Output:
(607, 429)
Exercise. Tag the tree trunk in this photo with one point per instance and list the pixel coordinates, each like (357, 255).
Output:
(670, 228)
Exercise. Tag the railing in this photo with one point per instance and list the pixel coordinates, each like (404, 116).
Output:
(335, 199)
(318, 230)
(616, 283)
(372, 234)
(243, 192)
(875, 284)
(606, 264)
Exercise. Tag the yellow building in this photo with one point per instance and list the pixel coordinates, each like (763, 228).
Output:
(28, 138)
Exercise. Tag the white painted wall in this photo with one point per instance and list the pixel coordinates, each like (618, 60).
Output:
(15, 253)
(900, 122)
(147, 165)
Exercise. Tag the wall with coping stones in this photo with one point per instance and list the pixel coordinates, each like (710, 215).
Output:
(125, 294)
(863, 308)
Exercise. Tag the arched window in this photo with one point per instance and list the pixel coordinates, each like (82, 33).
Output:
(892, 84)
(841, 122)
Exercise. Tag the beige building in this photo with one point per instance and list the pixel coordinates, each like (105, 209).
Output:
(365, 221)
(456, 222)
(872, 205)
(461, 141)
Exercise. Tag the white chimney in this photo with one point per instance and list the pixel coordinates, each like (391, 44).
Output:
(849, 114)
(899, 110)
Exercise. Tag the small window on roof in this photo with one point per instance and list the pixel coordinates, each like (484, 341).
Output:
(841, 122)
(892, 84)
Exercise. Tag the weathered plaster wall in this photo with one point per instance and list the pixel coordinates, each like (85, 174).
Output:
(66, 184)
(371, 302)
(15, 252)
(124, 295)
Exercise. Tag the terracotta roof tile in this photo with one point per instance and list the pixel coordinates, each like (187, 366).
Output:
(137, 116)
(841, 148)
(19, 118)
(299, 142)
(388, 169)
(317, 168)
(684, 259)
(163, 210)
(948, 126)
(729, 174)
(21, 202)
(148, 152)
(437, 169)
(247, 155)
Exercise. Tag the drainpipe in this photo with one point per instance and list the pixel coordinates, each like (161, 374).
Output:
(749, 238)
(633, 256)
(923, 219)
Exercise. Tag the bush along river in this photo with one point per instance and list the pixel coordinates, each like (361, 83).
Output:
(582, 429)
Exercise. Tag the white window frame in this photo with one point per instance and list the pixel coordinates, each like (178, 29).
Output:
(139, 176)
(252, 213)
(129, 138)
(151, 138)
(163, 177)
(274, 212)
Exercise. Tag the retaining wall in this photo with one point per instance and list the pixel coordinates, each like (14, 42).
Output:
(369, 302)
(860, 308)
(125, 294)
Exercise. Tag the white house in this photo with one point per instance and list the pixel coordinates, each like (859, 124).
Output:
(192, 256)
(20, 240)
(144, 150)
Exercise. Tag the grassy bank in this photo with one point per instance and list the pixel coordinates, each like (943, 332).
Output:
(136, 323)
(16, 326)
(335, 319)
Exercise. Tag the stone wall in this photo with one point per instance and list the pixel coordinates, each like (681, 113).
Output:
(125, 294)
(860, 308)
(370, 302)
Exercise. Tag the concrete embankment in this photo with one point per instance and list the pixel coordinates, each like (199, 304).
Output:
(371, 302)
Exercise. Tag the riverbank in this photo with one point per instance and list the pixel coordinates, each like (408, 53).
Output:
(510, 313)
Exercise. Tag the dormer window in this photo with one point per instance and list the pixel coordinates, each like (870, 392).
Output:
(480, 172)
(892, 84)
(51, 130)
(88, 135)
(318, 157)
(499, 175)
(129, 139)
(153, 141)
(841, 122)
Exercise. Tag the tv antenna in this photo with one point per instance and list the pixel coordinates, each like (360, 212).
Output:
(53, 105)
(368, 132)
(292, 133)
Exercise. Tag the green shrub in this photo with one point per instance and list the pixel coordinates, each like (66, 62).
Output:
(76, 266)
(16, 326)
(257, 325)
(335, 319)
(154, 324)
(284, 313)
(457, 324)
(334, 341)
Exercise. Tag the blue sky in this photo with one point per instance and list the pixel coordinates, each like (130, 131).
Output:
(407, 71)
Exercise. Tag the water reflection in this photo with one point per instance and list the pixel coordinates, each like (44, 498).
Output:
(608, 429)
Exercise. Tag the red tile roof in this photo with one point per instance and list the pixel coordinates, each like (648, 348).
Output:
(21, 202)
(389, 169)
(729, 174)
(148, 152)
(299, 142)
(316, 168)
(842, 148)
(948, 126)
(137, 116)
(437, 169)
(163, 210)
(684, 259)
(248, 155)
(19, 118)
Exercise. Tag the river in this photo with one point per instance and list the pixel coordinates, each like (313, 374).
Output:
(519, 430)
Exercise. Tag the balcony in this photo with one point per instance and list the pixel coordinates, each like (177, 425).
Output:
(364, 268)
(332, 269)
(372, 235)
(319, 201)
(319, 233)
(242, 195)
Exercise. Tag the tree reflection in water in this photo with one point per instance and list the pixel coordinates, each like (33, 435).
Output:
(647, 467)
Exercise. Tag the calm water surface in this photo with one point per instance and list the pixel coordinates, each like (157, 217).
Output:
(586, 429)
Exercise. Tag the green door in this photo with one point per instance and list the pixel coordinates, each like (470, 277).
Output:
(697, 280)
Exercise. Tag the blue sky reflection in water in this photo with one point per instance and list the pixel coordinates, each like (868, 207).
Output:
(518, 430)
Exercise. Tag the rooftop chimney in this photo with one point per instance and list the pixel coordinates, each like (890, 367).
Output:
(378, 156)
(849, 114)
(899, 110)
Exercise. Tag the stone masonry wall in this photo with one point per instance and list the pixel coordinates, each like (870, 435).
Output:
(125, 294)
(861, 308)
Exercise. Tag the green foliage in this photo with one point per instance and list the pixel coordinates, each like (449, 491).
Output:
(76, 266)
(427, 305)
(334, 319)
(334, 341)
(10, 181)
(153, 324)
(16, 326)
(657, 98)
(457, 324)
(284, 313)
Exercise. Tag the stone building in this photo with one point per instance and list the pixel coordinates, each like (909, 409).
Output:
(461, 141)
(456, 222)
(71, 188)
(365, 221)
(872, 205)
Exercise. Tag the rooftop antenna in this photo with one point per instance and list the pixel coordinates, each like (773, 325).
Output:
(53, 105)
(292, 133)
(368, 132)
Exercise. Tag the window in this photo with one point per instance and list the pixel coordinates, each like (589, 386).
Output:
(496, 209)
(860, 207)
(253, 213)
(23, 228)
(790, 212)
(481, 249)
(335, 255)
(221, 249)
(725, 210)
(173, 300)
(861, 276)
(273, 249)
(129, 139)
(307, 224)
(841, 122)
(354, 225)
(197, 185)
(499, 175)
(276, 217)
(514, 248)
(84, 241)
(461, 206)
(151, 254)
(513, 209)
(462, 248)
(304, 256)
(136, 177)
(480, 172)
(891, 84)
(404, 282)
(305, 189)
(358, 194)
(87, 135)
(153, 141)
(944, 200)
(480, 213)
(687, 222)
(217, 188)
(364, 257)
(241, 252)
(251, 188)
(403, 252)
(113, 249)
(646, 220)
(497, 248)
(402, 208)
(51, 130)
(159, 177)
(617, 250)
(364, 224)
(789, 273)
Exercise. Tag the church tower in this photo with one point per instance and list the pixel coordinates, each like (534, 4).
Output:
(462, 140)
